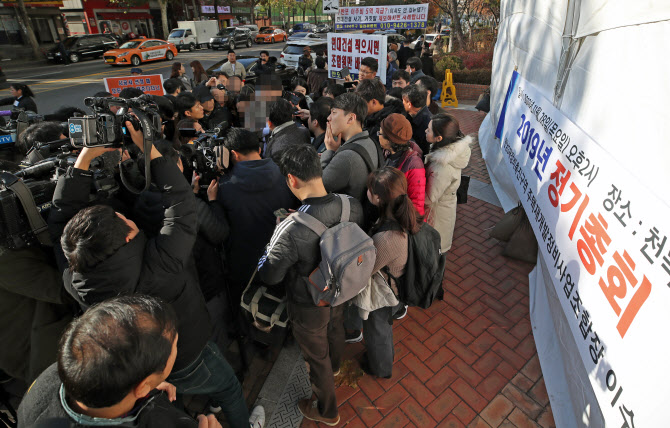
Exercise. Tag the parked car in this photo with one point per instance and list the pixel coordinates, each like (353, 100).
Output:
(81, 47)
(429, 40)
(253, 28)
(322, 28)
(230, 37)
(301, 28)
(137, 51)
(294, 50)
(250, 63)
(394, 38)
(307, 36)
(271, 35)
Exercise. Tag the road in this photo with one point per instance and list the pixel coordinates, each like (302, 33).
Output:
(61, 85)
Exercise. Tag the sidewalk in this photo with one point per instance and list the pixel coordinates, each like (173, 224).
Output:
(469, 360)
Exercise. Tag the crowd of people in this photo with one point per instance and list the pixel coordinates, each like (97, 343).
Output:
(135, 285)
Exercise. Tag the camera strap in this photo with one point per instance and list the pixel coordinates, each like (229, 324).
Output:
(37, 223)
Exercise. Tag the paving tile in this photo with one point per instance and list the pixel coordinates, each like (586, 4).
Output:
(417, 389)
(416, 413)
(465, 371)
(478, 422)
(521, 329)
(532, 369)
(474, 310)
(437, 340)
(483, 343)
(437, 322)
(505, 369)
(451, 421)
(418, 315)
(491, 385)
(400, 350)
(546, 419)
(356, 423)
(497, 410)
(344, 392)
(400, 370)
(443, 404)
(478, 325)
(347, 413)
(370, 387)
(508, 355)
(502, 335)
(395, 419)
(391, 399)
(462, 351)
(399, 333)
(487, 363)
(417, 368)
(539, 393)
(522, 401)
(469, 395)
(367, 412)
(440, 358)
(464, 413)
(522, 382)
(521, 420)
(441, 380)
(527, 347)
(416, 330)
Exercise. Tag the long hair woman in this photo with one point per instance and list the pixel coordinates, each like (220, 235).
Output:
(398, 218)
(179, 72)
(21, 97)
(199, 74)
(449, 154)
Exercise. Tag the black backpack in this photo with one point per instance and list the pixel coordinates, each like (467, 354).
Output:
(422, 282)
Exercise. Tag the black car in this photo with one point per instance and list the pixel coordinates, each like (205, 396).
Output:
(229, 38)
(250, 62)
(81, 47)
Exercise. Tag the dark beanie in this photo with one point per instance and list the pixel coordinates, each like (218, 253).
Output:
(396, 128)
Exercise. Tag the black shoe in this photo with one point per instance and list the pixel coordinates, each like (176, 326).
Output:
(401, 313)
(354, 336)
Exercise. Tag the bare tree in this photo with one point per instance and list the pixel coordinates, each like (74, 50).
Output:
(27, 28)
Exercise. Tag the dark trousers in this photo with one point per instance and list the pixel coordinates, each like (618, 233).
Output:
(210, 374)
(320, 334)
(378, 335)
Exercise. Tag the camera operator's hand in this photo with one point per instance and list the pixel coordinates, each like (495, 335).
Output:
(331, 142)
(88, 154)
(213, 190)
(303, 114)
(348, 78)
(208, 421)
(169, 389)
(195, 183)
(138, 139)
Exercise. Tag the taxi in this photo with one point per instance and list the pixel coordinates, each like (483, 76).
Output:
(271, 35)
(137, 51)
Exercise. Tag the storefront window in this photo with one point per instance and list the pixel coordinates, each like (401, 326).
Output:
(9, 30)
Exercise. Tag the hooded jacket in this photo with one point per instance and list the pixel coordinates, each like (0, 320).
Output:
(293, 252)
(153, 266)
(443, 176)
(249, 194)
(42, 406)
(373, 121)
(419, 124)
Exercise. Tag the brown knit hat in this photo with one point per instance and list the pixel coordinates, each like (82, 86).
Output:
(396, 128)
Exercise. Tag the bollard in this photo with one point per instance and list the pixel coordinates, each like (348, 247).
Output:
(448, 97)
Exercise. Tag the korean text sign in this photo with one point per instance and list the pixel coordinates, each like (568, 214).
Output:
(347, 50)
(405, 17)
(603, 235)
(151, 84)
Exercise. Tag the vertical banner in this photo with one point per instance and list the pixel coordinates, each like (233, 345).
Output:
(347, 50)
(403, 17)
(603, 234)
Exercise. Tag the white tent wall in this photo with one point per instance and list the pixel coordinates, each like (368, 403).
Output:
(616, 89)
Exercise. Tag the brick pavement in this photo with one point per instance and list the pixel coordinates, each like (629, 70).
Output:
(469, 360)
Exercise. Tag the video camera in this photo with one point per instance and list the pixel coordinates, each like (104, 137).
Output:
(105, 129)
(206, 155)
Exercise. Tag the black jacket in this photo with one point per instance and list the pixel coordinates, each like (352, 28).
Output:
(249, 194)
(319, 143)
(419, 125)
(152, 266)
(289, 134)
(373, 121)
(42, 405)
(427, 65)
(26, 103)
(404, 53)
(218, 115)
(293, 252)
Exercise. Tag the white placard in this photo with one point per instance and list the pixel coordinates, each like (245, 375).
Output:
(603, 235)
(347, 50)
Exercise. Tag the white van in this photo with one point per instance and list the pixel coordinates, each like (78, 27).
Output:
(193, 34)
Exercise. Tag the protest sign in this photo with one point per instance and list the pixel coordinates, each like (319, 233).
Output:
(347, 50)
(603, 236)
(405, 17)
(151, 84)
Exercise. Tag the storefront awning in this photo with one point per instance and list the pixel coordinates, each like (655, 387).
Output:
(226, 16)
(124, 16)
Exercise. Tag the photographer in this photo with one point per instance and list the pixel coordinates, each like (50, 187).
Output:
(111, 371)
(103, 254)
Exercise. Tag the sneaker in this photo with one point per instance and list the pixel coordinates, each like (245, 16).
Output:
(257, 418)
(400, 314)
(353, 336)
(310, 410)
(215, 409)
(337, 373)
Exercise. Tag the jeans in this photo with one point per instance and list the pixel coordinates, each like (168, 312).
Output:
(210, 374)
(378, 335)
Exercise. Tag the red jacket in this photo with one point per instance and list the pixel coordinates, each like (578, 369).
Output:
(411, 164)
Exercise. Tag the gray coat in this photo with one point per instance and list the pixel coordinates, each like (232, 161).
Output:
(344, 171)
